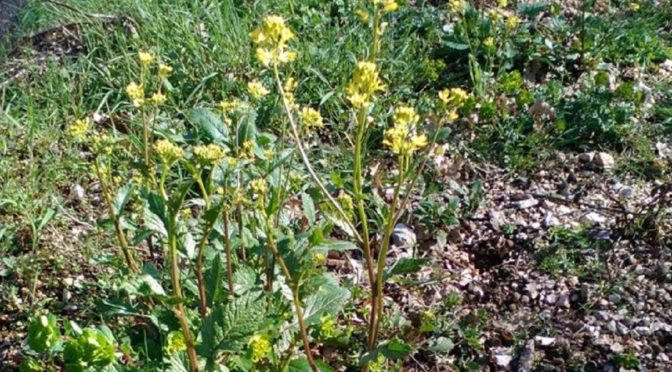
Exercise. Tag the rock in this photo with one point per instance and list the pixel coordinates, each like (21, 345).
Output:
(403, 236)
(626, 192)
(532, 290)
(545, 341)
(593, 218)
(614, 298)
(502, 357)
(526, 203)
(587, 157)
(551, 221)
(563, 300)
(604, 160)
(664, 150)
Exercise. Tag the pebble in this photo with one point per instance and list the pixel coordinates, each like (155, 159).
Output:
(614, 298)
(527, 203)
(604, 160)
(403, 236)
(593, 218)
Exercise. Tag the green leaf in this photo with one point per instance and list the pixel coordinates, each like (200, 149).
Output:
(149, 286)
(213, 280)
(48, 215)
(92, 349)
(229, 326)
(456, 46)
(247, 130)
(337, 245)
(121, 198)
(441, 345)
(301, 364)
(43, 333)
(406, 266)
(328, 299)
(244, 280)
(308, 208)
(531, 10)
(393, 350)
(211, 123)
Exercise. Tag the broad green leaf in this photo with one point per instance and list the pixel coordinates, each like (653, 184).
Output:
(301, 364)
(308, 208)
(229, 326)
(336, 245)
(406, 266)
(393, 350)
(121, 198)
(440, 345)
(456, 46)
(43, 333)
(328, 299)
(149, 286)
(211, 123)
(244, 280)
(213, 280)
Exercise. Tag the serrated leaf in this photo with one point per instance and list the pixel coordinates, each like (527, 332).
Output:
(211, 123)
(406, 266)
(244, 280)
(229, 326)
(329, 299)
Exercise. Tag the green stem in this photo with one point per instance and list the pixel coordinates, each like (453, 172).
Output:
(121, 237)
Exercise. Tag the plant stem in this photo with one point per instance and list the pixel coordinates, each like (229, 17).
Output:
(295, 299)
(359, 197)
(177, 292)
(227, 245)
(382, 255)
(306, 160)
(121, 237)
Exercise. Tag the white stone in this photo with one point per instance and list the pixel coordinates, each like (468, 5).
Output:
(604, 160)
(593, 218)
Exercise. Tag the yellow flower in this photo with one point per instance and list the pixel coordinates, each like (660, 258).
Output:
(259, 186)
(364, 84)
(164, 70)
(634, 6)
(405, 116)
(209, 154)
(386, 5)
(502, 3)
(401, 138)
(257, 89)
(79, 128)
(271, 38)
(260, 347)
(290, 85)
(363, 15)
(248, 150)
(494, 15)
(269, 154)
(158, 99)
(167, 151)
(456, 6)
(146, 58)
(103, 144)
(136, 93)
(230, 106)
(319, 259)
(453, 98)
(512, 22)
(327, 323)
(311, 118)
(175, 343)
(345, 200)
(489, 42)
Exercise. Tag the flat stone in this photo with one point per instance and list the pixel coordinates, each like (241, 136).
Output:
(604, 160)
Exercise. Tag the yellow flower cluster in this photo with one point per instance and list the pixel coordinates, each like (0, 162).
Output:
(79, 128)
(260, 347)
(386, 5)
(502, 3)
(146, 58)
(456, 6)
(209, 154)
(158, 99)
(363, 15)
(311, 118)
(137, 94)
(176, 339)
(167, 151)
(401, 138)
(271, 39)
(247, 151)
(259, 186)
(512, 22)
(103, 144)
(257, 89)
(327, 325)
(489, 42)
(364, 84)
(452, 100)
(164, 70)
(234, 105)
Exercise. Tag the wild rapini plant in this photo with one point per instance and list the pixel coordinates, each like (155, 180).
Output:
(227, 186)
